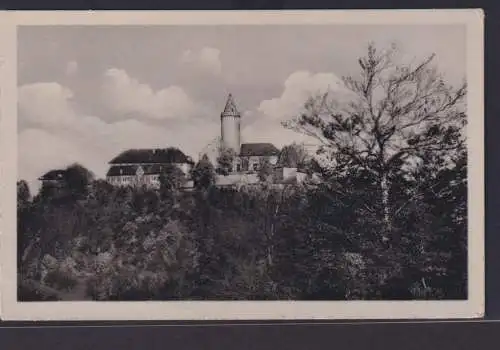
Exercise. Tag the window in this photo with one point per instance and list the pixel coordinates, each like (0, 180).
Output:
(238, 167)
(255, 166)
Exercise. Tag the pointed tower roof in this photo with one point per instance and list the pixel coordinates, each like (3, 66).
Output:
(230, 108)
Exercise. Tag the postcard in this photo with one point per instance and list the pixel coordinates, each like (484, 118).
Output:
(242, 165)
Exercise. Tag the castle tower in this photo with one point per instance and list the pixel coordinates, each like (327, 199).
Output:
(230, 120)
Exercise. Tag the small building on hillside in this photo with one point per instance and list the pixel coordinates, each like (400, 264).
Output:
(143, 167)
(55, 178)
(253, 154)
(73, 180)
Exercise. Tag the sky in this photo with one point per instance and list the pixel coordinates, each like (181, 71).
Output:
(86, 93)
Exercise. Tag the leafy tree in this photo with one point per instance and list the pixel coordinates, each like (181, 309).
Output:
(165, 270)
(391, 114)
(292, 156)
(443, 192)
(203, 173)
(172, 179)
(23, 194)
(26, 238)
(101, 191)
(225, 160)
(48, 191)
(78, 178)
(265, 169)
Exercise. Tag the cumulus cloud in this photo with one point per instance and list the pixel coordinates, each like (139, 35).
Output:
(207, 59)
(71, 68)
(268, 130)
(45, 104)
(40, 150)
(124, 95)
(297, 88)
(89, 140)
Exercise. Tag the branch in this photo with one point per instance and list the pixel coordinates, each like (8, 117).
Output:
(433, 115)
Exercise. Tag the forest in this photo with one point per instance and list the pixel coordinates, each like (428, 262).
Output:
(387, 221)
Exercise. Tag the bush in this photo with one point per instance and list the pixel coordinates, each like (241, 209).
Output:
(60, 280)
(28, 290)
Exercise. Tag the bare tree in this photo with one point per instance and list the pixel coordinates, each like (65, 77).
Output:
(393, 115)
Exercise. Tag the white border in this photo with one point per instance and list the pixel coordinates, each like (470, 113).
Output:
(246, 310)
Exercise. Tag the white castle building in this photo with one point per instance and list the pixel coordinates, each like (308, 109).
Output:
(138, 167)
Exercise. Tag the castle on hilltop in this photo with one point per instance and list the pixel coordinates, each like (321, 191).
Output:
(143, 167)
(248, 156)
(139, 167)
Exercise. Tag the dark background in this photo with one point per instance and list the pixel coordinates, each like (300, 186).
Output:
(338, 335)
(402, 336)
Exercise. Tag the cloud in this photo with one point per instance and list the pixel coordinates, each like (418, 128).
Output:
(125, 96)
(45, 104)
(207, 59)
(266, 130)
(297, 88)
(39, 151)
(71, 68)
(55, 133)
(89, 140)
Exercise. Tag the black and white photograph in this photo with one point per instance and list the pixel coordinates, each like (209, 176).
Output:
(276, 163)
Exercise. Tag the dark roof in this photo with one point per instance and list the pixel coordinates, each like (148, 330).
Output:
(131, 170)
(258, 149)
(160, 156)
(230, 108)
(53, 175)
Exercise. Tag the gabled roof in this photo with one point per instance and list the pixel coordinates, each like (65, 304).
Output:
(258, 149)
(53, 175)
(159, 156)
(230, 108)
